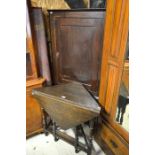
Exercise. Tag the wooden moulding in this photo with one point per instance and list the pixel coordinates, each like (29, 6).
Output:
(29, 135)
(37, 81)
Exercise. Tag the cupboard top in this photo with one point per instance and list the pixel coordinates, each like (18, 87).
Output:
(82, 13)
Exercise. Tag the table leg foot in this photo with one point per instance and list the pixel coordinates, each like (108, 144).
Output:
(54, 132)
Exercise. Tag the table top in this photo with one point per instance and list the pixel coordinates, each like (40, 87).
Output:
(74, 93)
(71, 102)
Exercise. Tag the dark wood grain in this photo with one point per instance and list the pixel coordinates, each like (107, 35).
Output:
(41, 45)
(77, 46)
(67, 104)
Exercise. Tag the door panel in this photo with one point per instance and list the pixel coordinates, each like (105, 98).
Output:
(77, 47)
(114, 46)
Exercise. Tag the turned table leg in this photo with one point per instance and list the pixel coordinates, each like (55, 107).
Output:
(77, 139)
(45, 122)
(55, 131)
(92, 126)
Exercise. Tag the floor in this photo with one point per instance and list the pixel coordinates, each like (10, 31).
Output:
(45, 145)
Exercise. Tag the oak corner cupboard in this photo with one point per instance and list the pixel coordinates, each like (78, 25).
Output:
(76, 38)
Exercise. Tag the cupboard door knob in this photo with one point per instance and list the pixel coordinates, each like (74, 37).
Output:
(113, 143)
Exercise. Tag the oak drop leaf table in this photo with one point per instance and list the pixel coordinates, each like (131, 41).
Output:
(68, 106)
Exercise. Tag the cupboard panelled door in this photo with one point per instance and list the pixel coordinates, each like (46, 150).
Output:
(114, 46)
(77, 46)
